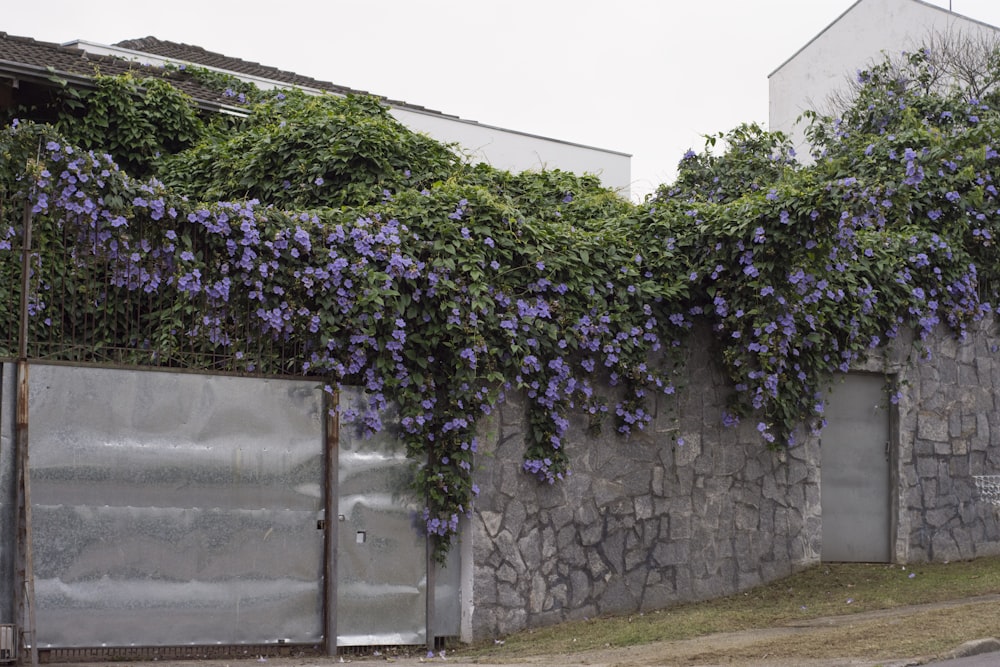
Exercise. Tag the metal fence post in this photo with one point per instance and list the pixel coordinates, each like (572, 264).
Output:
(26, 586)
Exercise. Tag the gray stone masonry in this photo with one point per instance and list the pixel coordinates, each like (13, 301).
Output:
(642, 522)
(948, 433)
(646, 522)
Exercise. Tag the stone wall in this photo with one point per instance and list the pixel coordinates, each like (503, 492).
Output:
(645, 522)
(642, 522)
(948, 432)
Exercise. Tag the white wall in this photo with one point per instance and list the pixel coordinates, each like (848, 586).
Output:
(855, 40)
(502, 148)
(517, 151)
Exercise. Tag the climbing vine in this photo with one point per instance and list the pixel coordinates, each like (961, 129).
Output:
(389, 262)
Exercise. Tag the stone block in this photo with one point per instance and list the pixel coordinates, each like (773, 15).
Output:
(933, 427)
(530, 548)
(507, 596)
(675, 552)
(566, 538)
(633, 537)
(635, 558)
(620, 508)
(491, 522)
(657, 482)
(984, 370)
(968, 375)
(508, 551)
(557, 597)
(510, 482)
(536, 598)
(613, 548)
(798, 471)
(506, 574)
(484, 583)
(597, 567)
(511, 620)
(983, 426)
(948, 371)
(643, 507)
(606, 492)
(747, 517)
(560, 516)
(927, 467)
(686, 454)
(772, 490)
(766, 520)
(680, 526)
(592, 534)
(579, 588)
(944, 547)
(549, 549)
(617, 598)
(514, 516)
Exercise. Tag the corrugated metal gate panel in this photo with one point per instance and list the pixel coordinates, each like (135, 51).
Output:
(8, 491)
(175, 509)
(381, 558)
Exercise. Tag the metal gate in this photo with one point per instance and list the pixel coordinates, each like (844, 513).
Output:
(854, 473)
(175, 509)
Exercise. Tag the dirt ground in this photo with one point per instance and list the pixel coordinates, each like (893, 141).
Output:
(874, 639)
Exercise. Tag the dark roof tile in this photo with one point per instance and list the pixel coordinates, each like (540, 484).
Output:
(25, 57)
(28, 58)
(199, 56)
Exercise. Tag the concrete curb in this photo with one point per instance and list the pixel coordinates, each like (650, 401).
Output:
(975, 647)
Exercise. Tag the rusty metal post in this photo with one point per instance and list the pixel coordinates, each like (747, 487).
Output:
(331, 520)
(25, 553)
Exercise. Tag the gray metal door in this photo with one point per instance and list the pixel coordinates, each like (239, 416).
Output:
(854, 472)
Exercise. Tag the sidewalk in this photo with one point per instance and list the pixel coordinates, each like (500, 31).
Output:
(768, 647)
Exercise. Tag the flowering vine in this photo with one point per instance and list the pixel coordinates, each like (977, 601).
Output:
(378, 257)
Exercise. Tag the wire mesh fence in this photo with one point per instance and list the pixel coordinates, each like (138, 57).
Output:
(988, 487)
(94, 301)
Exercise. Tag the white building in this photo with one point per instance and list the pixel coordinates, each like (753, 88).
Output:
(856, 39)
(502, 148)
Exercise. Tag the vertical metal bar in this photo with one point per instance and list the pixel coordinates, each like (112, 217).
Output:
(429, 597)
(25, 587)
(429, 566)
(27, 583)
(332, 521)
(22, 334)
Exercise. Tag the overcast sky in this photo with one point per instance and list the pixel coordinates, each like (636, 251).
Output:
(646, 77)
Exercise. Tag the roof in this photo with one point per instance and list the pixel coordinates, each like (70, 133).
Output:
(29, 59)
(185, 53)
(45, 63)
